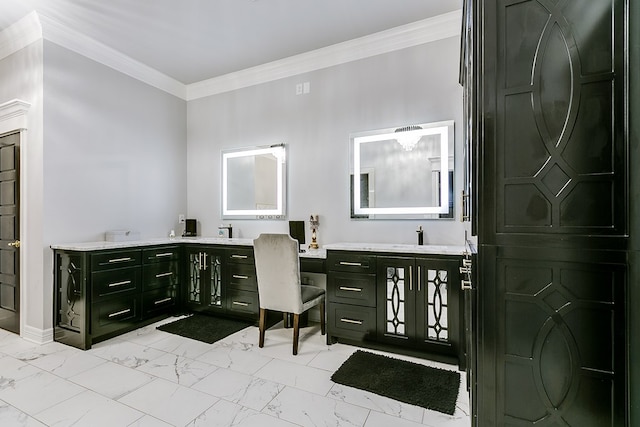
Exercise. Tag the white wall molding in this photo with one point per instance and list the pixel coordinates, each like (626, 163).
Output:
(35, 26)
(38, 336)
(77, 42)
(20, 35)
(13, 116)
(414, 34)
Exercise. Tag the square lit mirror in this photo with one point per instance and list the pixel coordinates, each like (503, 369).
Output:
(403, 173)
(253, 182)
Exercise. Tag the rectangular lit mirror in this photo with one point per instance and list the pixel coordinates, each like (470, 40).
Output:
(403, 173)
(254, 182)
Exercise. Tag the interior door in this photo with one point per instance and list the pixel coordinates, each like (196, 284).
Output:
(10, 233)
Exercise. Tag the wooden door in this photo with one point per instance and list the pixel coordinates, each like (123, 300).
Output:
(553, 214)
(10, 233)
(204, 290)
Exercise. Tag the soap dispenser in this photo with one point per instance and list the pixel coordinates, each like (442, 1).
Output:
(420, 236)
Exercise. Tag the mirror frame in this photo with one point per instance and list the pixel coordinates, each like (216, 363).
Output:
(447, 137)
(279, 151)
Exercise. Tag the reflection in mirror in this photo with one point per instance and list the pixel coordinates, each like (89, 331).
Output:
(253, 182)
(404, 173)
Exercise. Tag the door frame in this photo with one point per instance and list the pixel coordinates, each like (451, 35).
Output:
(13, 119)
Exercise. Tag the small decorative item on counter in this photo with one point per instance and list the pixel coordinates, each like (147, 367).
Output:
(172, 234)
(314, 222)
(121, 236)
(420, 235)
(225, 231)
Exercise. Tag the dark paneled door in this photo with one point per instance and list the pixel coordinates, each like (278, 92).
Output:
(10, 233)
(553, 214)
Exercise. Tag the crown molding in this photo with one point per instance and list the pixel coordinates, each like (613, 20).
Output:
(34, 27)
(77, 42)
(20, 35)
(13, 115)
(417, 33)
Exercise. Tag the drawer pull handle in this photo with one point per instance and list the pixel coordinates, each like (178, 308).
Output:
(118, 313)
(347, 288)
(352, 264)
(164, 274)
(355, 322)
(120, 259)
(164, 254)
(243, 304)
(124, 282)
(239, 256)
(162, 301)
(238, 276)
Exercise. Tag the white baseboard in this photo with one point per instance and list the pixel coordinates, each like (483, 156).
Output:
(38, 336)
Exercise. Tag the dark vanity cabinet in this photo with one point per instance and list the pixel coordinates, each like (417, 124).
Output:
(203, 290)
(407, 302)
(351, 297)
(160, 280)
(103, 293)
(419, 303)
(221, 280)
(241, 284)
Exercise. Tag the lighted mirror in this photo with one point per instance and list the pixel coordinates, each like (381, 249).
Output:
(253, 182)
(403, 173)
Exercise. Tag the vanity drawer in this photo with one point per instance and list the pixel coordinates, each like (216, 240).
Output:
(110, 283)
(242, 276)
(240, 256)
(161, 254)
(159, 301)
(351, 262)
(352, 288)
(352, 322)
(312, 265)
(115, 259)
(242, 302)
(160, 274)
(114, 314)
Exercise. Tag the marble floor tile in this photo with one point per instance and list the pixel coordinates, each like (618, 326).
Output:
(143, 379)
(180, 346)
(37, 392)
(67, 362)
(243, 389)
(377, 419)
(309, 409)
(227, 414)
(125, 353)
(177, 369)
(10, 416)
(89, 409)
(169, 402)
(306, 378)
(235, 356)
(112, 380)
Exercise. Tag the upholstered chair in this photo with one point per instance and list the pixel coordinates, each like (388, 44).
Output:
(279, 287)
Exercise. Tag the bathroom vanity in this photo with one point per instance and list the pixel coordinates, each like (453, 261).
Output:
(404, 296)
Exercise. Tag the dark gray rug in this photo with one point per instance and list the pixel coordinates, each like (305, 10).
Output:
(204, 328)
(408, 382)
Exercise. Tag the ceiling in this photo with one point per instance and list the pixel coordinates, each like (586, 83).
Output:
(195, 40)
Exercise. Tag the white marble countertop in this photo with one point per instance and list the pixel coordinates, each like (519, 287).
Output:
(104, 245)
(309, 253)
(398, 248)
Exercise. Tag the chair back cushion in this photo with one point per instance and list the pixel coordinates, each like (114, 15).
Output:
(278, 272)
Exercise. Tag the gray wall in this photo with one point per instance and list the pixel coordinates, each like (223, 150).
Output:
(410, 86)
(114, 153)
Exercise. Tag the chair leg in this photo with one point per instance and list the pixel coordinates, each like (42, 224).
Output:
(322, 315)
(261, 326)
(296, 332)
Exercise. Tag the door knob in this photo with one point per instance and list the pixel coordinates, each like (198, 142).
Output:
(15, 244)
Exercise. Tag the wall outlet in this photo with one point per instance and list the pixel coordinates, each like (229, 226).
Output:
(181, 219)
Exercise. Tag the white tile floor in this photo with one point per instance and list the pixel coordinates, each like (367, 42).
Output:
(151, 378)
